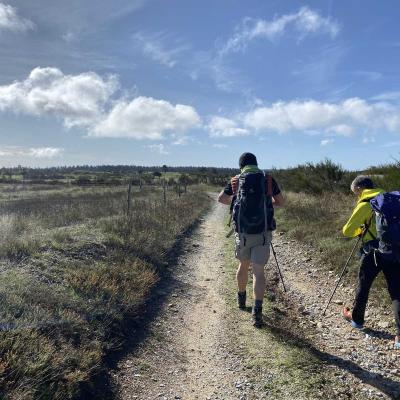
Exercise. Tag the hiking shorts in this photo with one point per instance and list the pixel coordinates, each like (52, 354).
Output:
(253, 247)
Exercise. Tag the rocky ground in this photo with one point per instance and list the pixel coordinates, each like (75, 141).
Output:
(367, 358)
(198, 345)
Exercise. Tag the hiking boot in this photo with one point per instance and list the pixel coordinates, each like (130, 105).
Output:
(397, 342)
(257, 317)
(349, 318)
(241, 299)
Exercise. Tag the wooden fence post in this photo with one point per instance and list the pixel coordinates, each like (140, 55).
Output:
(129, 199)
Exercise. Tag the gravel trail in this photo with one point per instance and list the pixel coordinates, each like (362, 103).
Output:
(191, 349)
(368, 364)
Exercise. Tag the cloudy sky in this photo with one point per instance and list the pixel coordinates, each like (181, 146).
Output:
(184, 82)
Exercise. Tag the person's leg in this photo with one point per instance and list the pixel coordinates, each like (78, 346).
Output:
(258, 294)
(259, 257)
(392, 275)
(258, 282)
(367, 274)
(242, 275)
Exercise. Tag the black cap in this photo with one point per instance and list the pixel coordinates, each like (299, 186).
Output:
(247, 159)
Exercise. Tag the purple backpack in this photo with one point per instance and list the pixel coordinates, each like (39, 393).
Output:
(387, 214)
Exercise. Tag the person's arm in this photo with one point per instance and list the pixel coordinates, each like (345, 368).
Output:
(278, 200)
(359, 217)
(277, 197)
(224, 198)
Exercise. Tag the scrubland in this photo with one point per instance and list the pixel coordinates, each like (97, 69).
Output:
(317, 220)
(75, 267)
(318, 204)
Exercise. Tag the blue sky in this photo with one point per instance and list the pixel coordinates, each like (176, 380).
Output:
(198, 83)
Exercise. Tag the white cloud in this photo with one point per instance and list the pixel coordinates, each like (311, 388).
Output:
(326, 142)
(182, 141)
(343, 118)
(304, 22)
(387, 96)
(11, 21)
(220, 146)
(45, 152)
(77, 99)
(342, 130)
(158, 148)
(368, 140)
(225, 127)
(369, 75)
(34, 152)
(145, 118)
(389, 144)
(86, 101)
(153, 46)
(70, 36)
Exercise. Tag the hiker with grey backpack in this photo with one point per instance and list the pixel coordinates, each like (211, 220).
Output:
(376, 221)
(253, 196)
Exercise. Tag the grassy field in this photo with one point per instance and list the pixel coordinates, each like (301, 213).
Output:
(75, 267)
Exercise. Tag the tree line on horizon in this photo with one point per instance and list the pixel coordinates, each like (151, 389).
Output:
(309, 177)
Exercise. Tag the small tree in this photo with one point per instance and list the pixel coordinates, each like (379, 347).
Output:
(184, 180)
(140, 178)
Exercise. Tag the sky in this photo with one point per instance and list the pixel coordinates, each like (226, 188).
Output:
(184, 82)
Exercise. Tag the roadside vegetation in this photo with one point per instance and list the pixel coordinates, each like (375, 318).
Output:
(317, 208)
(76, 264)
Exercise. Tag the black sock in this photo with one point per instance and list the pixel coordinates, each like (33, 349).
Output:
(258, 304)
(242, 293)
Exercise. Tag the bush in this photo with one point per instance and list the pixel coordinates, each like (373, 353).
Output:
(325, 176)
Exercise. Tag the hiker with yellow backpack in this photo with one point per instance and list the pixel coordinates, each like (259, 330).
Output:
(253, 195)
(376, 220)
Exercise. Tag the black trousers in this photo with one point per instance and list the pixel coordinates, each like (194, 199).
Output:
(367, 274)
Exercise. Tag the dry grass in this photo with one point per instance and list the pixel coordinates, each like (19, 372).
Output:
(73, 270)
(318, 220)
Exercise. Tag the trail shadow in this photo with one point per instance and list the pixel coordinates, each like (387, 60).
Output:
(386, 385)
(378, 334)
(137, 327)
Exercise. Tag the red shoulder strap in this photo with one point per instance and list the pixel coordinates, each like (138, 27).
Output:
(269, 185)
(234, 183)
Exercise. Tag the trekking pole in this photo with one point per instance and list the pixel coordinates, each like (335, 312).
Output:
(229, 234)
(343, 271)
(277, 265)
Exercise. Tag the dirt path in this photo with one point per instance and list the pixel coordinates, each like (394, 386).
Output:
(201, 347)
(187, 355)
